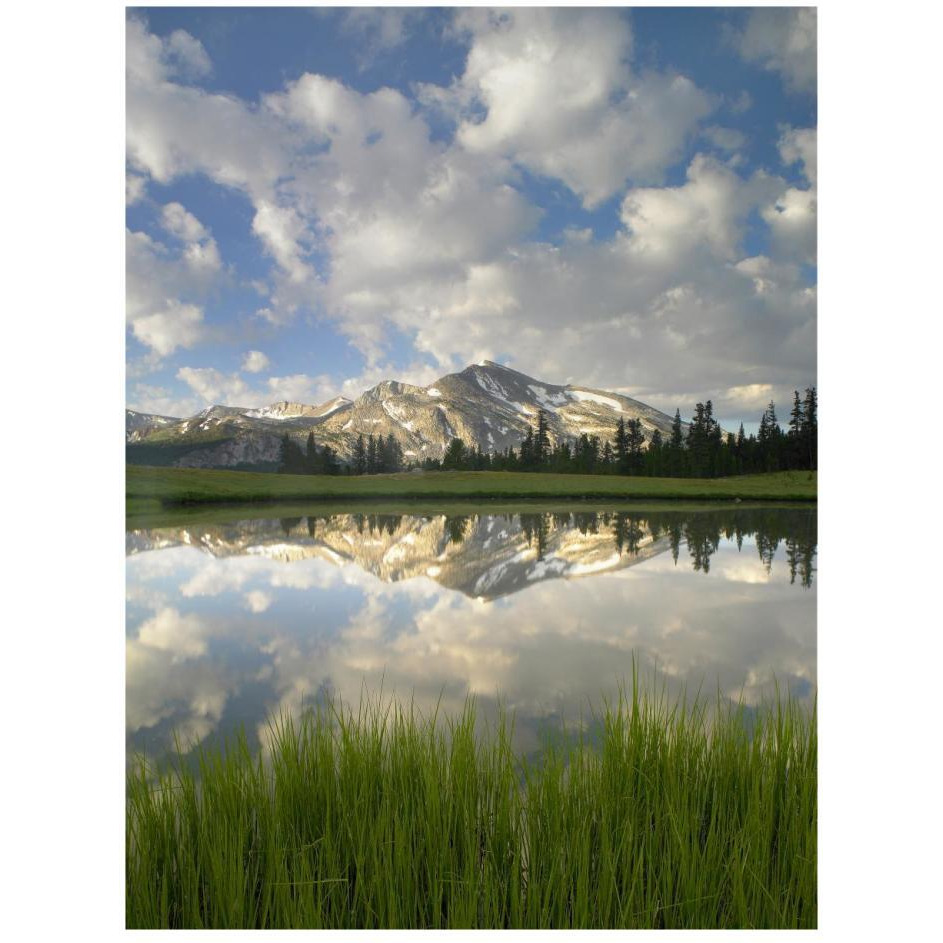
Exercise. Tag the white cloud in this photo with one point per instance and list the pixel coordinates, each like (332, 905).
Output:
(427, 239)
(177, 325)
(165, 286)
(709, 209)
(135, 188)
(151, 59)
(298, 388)
(180, 222)
(213, 386)
(378, 31)
(258, 601)
(792, 219)
(599, 124)
(255, 362)
(183, 636)
(187, 55)
(727, 139)
(783, 40)
(792, 216)
(799, 145)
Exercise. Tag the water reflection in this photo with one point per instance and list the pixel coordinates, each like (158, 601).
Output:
(229, 622)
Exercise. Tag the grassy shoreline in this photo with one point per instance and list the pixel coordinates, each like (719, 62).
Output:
(150, 489)
(674, 817)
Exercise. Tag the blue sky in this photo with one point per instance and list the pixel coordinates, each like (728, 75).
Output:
(321, 199)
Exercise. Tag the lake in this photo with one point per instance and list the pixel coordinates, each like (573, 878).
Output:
(541, 612)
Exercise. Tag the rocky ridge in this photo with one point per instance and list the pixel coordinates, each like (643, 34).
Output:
(486, 405)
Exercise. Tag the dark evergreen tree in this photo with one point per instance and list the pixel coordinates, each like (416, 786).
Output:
(372, 458)
(676, 447)
(528, 452)
(795, 452)
(810, 430)
(541, 440)
(360, 456)
(291, 459)
(635, 440)
(622, 449)
(454, 458)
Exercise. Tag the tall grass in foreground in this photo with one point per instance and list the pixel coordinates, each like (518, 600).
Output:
(676, 816)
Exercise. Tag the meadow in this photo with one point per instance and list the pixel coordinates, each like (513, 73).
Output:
(655, 814)
(151, 489)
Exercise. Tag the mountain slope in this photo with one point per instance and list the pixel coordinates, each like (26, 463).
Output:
(486, 405)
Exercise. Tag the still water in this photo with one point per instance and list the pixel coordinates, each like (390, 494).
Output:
(228, 624)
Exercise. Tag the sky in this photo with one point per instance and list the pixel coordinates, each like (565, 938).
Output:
(320, 199)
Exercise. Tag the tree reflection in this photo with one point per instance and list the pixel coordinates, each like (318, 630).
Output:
(456, 528)
(703, 532)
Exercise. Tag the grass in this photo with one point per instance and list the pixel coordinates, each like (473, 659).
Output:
(674, 816)
(150, 489)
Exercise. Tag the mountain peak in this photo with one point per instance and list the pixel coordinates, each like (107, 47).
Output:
(487, 405)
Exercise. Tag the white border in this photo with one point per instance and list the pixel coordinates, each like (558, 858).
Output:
(62, 67)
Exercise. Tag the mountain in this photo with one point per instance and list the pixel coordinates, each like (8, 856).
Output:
(481, 556)
(486, 405)
(139, 425)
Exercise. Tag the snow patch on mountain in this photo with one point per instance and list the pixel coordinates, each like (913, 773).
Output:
(586, 396)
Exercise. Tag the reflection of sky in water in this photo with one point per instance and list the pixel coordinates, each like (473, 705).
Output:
(215, 642)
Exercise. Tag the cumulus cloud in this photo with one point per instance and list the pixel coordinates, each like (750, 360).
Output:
(427, 238)
(135, 189)
(709, 209)
(599, 123)
(212, 386)
(792, 216)
(165, 284)
(176, 325)
(783, 40)
(254, 362)
(798, 145)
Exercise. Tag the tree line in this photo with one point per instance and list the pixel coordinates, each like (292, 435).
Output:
(701, 532)
(701, 451)
(376, 455)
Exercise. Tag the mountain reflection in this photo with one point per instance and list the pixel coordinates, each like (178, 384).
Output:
(487, 556)
(231, 623)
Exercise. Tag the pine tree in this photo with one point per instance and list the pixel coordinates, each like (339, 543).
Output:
(635, 439)
(622, 448)
(676, 447)
(769, 438)
(810, 431)
(795, 437)
(311, 455)
(360, 456)
(371, 455)
(541, 440)
(527, 451)
(607, 456)
(653, 458)
(291, 457)
(329, 462)
(454, 458)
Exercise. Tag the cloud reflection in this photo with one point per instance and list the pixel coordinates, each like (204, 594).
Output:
(271, 628)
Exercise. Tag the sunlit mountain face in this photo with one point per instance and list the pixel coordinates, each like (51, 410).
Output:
(544, 613)
(487, 405)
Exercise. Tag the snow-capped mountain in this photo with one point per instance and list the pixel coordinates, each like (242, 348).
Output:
(139, 425)
(486, 405)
